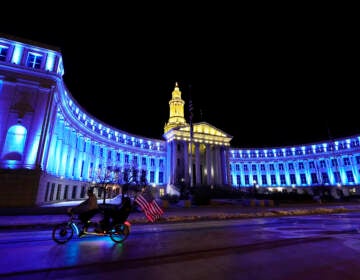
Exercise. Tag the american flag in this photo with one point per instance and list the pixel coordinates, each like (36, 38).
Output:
(151, 209)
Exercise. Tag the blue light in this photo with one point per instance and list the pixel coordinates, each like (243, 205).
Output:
(17, 54)
(14, 144)
(50, 62)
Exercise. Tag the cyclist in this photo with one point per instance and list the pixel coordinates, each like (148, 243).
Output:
(86, 209)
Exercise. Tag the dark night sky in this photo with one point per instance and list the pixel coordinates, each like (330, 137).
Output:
(268, 79)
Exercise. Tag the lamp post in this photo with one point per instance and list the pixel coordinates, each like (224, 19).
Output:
(255, 186)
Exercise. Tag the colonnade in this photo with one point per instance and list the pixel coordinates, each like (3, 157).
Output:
(198, 163)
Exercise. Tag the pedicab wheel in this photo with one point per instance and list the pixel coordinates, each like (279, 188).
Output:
(62, 233)
(119, 233)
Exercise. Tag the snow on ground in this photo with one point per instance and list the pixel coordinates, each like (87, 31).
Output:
(114, 200)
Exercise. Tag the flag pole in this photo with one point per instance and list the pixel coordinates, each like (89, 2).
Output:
(191, 138)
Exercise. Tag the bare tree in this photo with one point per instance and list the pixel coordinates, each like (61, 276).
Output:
(105, 178)
(128, 178)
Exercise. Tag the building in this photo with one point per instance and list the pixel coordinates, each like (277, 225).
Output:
(51, 149)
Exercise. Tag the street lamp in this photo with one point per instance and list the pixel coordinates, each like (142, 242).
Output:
(255, 185)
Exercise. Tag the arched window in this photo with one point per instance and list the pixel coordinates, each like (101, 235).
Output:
(14, 143)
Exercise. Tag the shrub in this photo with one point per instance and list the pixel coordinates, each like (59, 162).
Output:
(171, 198)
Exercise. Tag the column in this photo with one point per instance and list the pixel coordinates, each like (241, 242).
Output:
(224, 166)
(173, 162)
(197, 164)
(186, 162)
(218, 176)
(209, 166)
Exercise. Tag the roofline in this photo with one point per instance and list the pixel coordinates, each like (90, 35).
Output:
(30, 42)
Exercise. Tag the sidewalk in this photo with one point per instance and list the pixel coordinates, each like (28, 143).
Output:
(45, 217)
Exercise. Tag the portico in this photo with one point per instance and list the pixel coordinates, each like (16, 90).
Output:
(198, 160)
(202, 160)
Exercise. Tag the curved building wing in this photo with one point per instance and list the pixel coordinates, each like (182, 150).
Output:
(52, 150)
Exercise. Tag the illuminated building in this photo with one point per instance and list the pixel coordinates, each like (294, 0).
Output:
(51, 149)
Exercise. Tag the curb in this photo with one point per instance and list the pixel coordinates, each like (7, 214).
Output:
(196, 217)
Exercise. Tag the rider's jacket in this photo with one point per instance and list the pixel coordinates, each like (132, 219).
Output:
(87, 205)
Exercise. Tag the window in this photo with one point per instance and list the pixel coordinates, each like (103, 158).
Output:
(238, 180)
(253, 167)
(346, 161)
(292, 179)
(314, 178)
(262, 167)
(281, 166)
(325, 178)
(65, 197)
(82, 192)
(282, 179)
(350, 176)
(34, 60)
(152, 176)
(271, 166)
(263, 179)
(58, 192)
(161, 177)
(152, 162)
(303, 178)
(47, 191)
(311, 164)
(291, 166)
(246, 179)
(52, 191)
(143, 161)
(3, 52)
(161, 163)
(126, 159)
(337, 177)
(273, 179)
(255, 179)
(135, 160)
(358, 160)
(301, 165)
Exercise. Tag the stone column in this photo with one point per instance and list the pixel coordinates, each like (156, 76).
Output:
(218, 175)
(173, 162)
(197, 164)
(209, 166)
(186, 162)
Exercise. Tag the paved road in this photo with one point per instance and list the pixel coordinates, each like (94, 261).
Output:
(280, 248)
